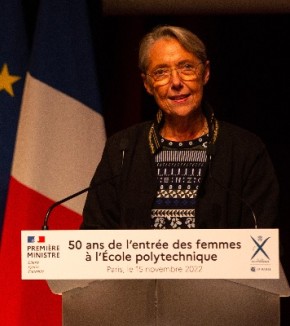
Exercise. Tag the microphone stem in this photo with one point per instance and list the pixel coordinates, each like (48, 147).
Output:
(232, 192)
(51, 208)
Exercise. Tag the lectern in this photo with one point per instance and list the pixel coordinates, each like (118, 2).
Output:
(172, 302)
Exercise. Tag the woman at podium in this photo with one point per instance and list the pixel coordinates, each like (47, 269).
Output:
(185, 169)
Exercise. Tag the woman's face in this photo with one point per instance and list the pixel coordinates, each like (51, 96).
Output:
(178, 97)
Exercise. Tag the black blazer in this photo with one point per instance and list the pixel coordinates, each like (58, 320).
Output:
(240, 175)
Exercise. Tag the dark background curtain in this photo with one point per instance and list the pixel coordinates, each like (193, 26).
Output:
(249, 84)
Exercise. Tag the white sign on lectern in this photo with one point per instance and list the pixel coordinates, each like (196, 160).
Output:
(150, 254)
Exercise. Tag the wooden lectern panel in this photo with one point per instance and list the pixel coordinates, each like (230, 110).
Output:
(108, 303)
(215, 303)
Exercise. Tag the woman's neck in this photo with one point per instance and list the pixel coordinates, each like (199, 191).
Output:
(184, 129)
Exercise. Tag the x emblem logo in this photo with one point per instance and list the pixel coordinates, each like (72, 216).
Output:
(260, 247)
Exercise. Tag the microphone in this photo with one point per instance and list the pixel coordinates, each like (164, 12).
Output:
(211, 153)
(53, 206)
(123, 147)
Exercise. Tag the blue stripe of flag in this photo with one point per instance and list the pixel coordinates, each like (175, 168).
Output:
(13, 54)
(58, 59)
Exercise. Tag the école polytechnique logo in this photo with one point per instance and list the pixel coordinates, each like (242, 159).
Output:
(260, 247)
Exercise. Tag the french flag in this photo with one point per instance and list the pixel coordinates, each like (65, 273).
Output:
(60, 140)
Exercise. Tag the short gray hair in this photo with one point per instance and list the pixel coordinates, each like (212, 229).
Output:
(187, 39)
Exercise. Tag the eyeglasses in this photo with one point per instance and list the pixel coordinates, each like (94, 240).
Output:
(187, 72)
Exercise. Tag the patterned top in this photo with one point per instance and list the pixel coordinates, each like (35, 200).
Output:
(180, 167)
